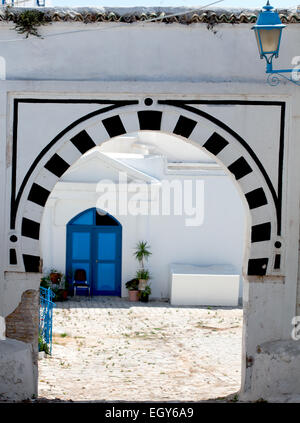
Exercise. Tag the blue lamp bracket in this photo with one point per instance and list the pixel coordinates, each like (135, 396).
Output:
(269, 20)
(274, 74)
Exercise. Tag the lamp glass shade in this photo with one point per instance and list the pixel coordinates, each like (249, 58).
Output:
(268, 40)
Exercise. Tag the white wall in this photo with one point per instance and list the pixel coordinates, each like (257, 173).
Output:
(140, 52)
(164, 62)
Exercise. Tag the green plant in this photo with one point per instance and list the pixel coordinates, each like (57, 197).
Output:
(58, 288)
(28, 22)
(143, 274)
(62, 280)
(59, 294)
(142, 252)
(146, 292)
(132, 285)
(45, 282)
(235, 398)
(261, 400)
(43, 346)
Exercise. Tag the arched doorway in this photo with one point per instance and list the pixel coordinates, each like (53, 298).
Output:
(169, 240)
(94, 243)
(215, 138)
(264, 264)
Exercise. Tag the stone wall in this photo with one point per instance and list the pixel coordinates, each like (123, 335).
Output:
(17, 380)
(23, 323)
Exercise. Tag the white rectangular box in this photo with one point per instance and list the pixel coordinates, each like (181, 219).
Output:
(215, 285)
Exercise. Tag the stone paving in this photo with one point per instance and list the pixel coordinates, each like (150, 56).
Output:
(110, 349)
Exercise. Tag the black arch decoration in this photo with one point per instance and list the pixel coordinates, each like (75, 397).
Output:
(149, 120)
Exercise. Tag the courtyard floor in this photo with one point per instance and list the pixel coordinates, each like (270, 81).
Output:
(109, 349)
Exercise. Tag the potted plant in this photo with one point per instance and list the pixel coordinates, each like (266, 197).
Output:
(64, 290)
(58, 284)
(144, 296)
(61, 290)
(55, 276)
(133, 291)
(143, 276)
(45, 282)
(142, 253)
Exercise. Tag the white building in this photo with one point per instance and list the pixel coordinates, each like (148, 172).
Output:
(97, 74)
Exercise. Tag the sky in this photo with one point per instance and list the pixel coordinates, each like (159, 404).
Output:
(162, 3)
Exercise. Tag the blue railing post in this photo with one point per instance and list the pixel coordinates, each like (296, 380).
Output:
(46, 316)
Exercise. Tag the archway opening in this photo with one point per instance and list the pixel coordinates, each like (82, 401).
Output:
(216, 238)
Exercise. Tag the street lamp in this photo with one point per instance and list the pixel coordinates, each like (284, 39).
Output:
(268, 30)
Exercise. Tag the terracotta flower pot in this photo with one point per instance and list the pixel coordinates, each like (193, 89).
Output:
(133, 295)
(55, 278)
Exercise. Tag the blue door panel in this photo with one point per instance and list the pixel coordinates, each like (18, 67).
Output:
(108, 259)
(106, 277)
(81, 245)
(106, 245)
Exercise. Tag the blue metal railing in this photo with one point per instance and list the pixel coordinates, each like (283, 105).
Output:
(45, 324)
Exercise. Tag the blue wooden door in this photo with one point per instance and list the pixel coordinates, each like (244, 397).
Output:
(96, 248)
(107, 280)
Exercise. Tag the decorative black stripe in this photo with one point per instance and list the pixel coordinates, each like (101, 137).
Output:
(150, 119)
(184, 126)
(83, 142)
(38, 194)
(12, 257)
(240, 168)
(222, 102)
(256, 198)
(215, 144)
(57, 165)
(257, 267)
(30, 228)
(13, 207)
(114, 126)
(261, 232)
(31, 263)
(277, 261)
(280, 168)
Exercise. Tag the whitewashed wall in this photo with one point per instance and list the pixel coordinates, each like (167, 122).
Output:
(140, 52)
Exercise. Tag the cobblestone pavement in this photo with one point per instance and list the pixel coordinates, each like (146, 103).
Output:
(109, 349)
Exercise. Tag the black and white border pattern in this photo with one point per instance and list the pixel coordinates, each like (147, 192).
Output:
(170, 116)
